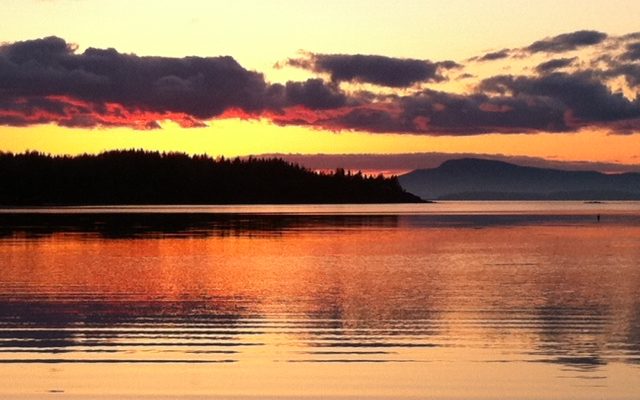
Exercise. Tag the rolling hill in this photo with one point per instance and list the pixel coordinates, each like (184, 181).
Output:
(480, 179)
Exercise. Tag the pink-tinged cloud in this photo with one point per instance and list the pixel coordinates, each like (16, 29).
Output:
(48, 81)
(74, 113)
(45, 80)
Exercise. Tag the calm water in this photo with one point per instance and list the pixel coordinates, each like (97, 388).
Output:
(474, 300)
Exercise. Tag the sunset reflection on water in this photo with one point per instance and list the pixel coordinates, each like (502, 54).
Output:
(332, 305)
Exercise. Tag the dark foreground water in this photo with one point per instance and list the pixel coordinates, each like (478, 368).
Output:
(473, 300)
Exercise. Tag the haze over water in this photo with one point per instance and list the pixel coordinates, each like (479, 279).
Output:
(448, 300)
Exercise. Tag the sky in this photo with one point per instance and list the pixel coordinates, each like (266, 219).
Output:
(374, 85)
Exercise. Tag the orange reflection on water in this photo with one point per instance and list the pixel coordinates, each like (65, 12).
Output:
(406, 307)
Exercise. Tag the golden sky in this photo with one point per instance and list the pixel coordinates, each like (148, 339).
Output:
(294, 53)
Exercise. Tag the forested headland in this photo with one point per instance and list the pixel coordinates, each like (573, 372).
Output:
(140, 177)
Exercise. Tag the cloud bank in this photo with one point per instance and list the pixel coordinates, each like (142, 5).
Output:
(48, 81)
(567, 42)
(45, 80)
(374, 69)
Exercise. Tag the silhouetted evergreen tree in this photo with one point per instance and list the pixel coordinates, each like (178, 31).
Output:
(139, 177)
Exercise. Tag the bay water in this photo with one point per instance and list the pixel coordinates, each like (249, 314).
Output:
(453, 300)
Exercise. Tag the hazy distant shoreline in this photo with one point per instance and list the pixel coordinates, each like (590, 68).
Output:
(481, 179)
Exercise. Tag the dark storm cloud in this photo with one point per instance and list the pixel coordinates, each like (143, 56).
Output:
(48, 81)
(630, 36)
(378, 70)
(202, 87)
(583, 94)
(478, 113)
(632, 52)
(622, 60)
(631, 73)
(439, 113)
(552, 65)
(496, 55)
(85, 87)
(553, 102)
(567, 42)
(314, 94)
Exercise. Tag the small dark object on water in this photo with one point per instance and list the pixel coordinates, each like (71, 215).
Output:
(598, 217)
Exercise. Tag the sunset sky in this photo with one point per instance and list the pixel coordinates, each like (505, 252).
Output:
(369, 82)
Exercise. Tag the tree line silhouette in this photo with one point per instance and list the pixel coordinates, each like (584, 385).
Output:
(141, 177)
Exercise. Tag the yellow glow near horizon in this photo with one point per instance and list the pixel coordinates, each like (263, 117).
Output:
(259, 34)
(232, 137)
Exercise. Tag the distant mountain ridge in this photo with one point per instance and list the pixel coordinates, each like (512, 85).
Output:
(482, 179)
